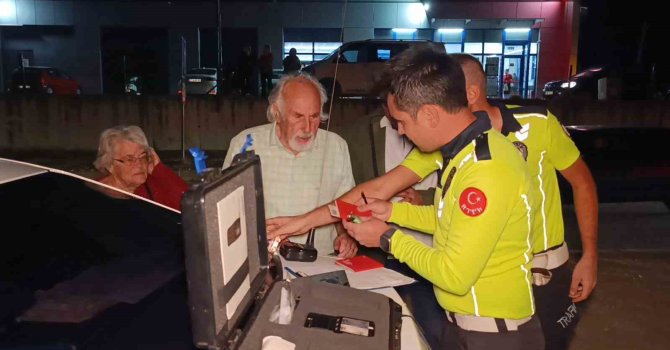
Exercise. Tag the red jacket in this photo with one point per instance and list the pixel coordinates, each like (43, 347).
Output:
(163, 186)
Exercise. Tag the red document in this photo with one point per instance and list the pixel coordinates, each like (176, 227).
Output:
(360, 263)
(346, 210)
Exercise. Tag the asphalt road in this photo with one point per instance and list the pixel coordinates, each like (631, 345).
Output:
(643, 226)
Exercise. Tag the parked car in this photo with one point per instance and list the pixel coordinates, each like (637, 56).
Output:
(47, 80)
(360, 65)
(626, 162)
(584, 83)
(201, 81)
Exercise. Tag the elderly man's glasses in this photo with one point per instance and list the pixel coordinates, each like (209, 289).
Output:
(130, 160)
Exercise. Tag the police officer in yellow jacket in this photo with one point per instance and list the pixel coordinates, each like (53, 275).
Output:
(546, 147)
(481, 216)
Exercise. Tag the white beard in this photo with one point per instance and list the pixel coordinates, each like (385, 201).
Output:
(301, 147)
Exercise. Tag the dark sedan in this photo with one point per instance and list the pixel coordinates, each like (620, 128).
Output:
(82, 270)
(627, 163)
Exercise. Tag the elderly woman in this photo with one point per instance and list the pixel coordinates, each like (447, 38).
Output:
(129, 164)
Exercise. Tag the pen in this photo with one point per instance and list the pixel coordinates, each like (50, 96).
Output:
(364, 199)
(293, 273)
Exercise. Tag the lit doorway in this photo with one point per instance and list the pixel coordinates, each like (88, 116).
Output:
(513, 75)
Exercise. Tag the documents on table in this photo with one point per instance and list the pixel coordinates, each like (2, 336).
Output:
(370, 279)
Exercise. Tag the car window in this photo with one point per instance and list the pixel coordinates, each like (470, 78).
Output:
(26, 75)
(383, 54)
(202, 71)
(349, 56)
(62, 75)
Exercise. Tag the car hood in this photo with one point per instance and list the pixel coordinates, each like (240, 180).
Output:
(65, 244)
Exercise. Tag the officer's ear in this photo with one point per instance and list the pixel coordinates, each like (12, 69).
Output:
(429, 115)
(472, 92)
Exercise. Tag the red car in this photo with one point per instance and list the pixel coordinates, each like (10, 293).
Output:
(47, 80)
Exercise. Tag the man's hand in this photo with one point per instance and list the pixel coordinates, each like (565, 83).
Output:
(346, 245)
(286, 226)
(584, 278)
(380, 209)
(411, 196)
(368, 232)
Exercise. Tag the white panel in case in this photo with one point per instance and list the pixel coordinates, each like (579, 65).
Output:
(233, 238)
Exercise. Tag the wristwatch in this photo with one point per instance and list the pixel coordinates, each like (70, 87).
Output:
(385, 240)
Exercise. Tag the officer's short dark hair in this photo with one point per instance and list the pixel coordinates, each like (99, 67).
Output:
(423, 75)
(463, 58)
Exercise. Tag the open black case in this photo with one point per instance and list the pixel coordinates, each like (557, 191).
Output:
(232, 292)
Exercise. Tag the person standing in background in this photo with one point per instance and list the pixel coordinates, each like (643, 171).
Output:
(265, 68)
(292, 62)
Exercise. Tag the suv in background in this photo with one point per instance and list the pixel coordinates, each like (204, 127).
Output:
(201, 81)
(360, 65)
(47, 80)
(584, 84)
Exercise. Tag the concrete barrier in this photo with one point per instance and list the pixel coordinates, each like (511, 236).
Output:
(33, 123)
(63, 127)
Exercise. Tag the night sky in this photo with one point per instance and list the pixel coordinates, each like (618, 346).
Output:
(611, 34)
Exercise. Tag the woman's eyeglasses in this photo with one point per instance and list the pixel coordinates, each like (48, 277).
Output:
(130, 160)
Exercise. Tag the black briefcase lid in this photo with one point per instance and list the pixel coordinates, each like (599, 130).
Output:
(225, 250)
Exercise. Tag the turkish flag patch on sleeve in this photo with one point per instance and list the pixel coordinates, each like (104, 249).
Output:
(472, 201)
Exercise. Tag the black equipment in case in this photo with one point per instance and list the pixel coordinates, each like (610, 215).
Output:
(232, 292)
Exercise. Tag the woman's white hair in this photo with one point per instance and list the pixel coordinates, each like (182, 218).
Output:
(109, 139)
(276, 96)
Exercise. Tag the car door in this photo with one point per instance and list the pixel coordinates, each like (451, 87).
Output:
(52, 81)
(69, 85)
(351, 73)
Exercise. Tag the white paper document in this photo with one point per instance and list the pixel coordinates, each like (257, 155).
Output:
(370, 279)
(233, 241)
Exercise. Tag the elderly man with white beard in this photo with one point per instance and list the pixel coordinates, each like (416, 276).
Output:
(303, 166)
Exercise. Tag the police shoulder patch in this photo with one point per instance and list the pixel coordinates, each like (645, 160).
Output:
(523, 149)
(472, 201)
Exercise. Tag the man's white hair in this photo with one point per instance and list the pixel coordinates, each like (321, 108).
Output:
(276, 96)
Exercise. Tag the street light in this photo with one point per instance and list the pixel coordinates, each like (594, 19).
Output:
(219, 48)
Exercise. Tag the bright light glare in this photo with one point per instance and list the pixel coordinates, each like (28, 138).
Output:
(572, 84)
(416, 13)
(450, 30)
(426, 6)
(403, 30)
(7, 9)
(517, 30)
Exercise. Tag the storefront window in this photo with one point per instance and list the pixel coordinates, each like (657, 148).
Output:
(309, 51)
(454, 48)
(493, 48)
(473, 48)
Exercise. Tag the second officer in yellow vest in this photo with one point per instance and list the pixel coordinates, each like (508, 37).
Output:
(480, 261)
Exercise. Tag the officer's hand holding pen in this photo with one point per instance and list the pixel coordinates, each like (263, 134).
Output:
(368, 231)
(380, 209)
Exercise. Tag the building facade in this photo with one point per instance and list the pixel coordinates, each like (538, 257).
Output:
(100, 43)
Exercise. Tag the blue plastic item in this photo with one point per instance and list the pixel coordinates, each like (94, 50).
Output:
(198, 158)
(247, 143)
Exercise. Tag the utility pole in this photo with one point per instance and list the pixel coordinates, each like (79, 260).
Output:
(183, 98)
(219, 48)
